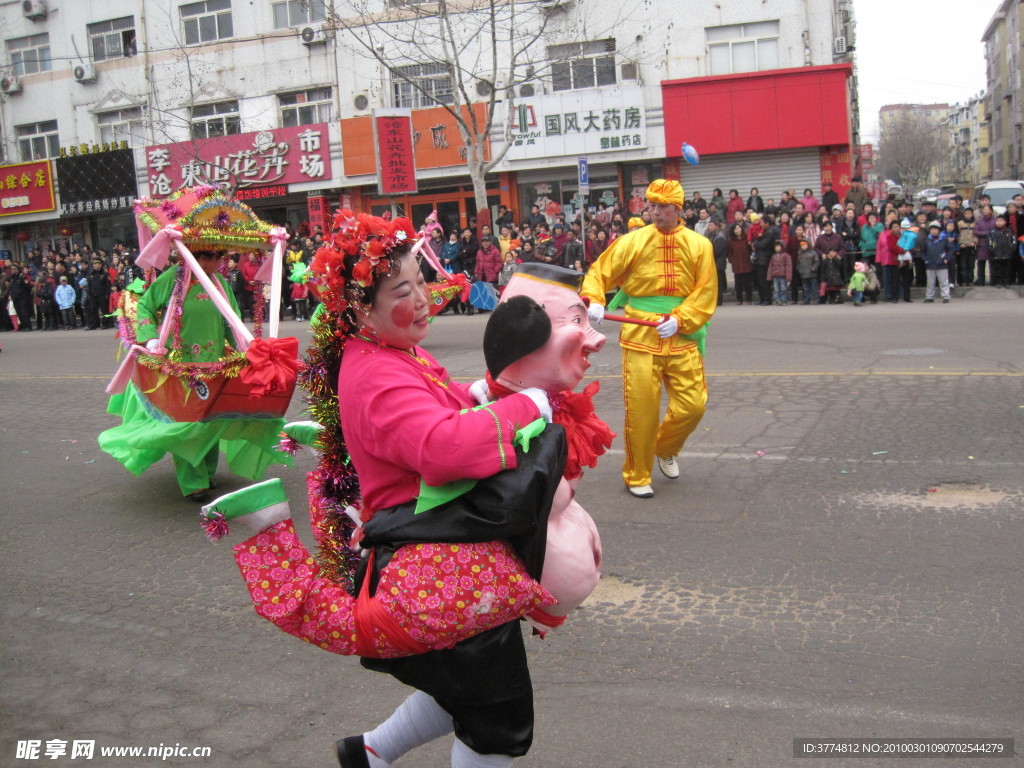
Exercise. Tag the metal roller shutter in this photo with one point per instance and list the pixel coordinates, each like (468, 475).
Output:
(770, 171)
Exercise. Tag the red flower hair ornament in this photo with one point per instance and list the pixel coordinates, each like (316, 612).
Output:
(374, 241)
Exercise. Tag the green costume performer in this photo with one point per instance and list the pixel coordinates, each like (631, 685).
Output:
(146, 435)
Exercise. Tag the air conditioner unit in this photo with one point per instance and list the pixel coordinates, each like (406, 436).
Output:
(550, 5)
(313, 35)
(84, 72)
(533, 88)
(629, 70)
(840, 46)
(10, 84)
(361, 102)
(33, 9)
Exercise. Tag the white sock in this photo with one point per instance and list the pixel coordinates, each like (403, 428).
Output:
(464, 757)
(418, 720)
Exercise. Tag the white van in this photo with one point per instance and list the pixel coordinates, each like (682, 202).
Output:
(1001, 191)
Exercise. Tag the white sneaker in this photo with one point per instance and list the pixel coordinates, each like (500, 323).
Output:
(641, 491)
(669, 467)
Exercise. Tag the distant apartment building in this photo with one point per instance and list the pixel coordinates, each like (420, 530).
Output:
(1004, 57)
(968, 141)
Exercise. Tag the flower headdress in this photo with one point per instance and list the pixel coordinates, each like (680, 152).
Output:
(360, 250)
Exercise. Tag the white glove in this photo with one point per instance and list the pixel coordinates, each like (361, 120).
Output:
(669, 328)
(480, 392)
(153, 345)
(540, 399)
(596, 313)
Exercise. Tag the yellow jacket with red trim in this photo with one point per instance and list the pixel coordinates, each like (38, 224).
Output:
(649, 262)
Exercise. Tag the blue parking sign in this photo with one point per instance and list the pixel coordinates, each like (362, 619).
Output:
(584, 171)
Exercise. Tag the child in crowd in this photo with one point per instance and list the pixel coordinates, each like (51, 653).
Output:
(65, 297)
(858, 283)
(938, 254)
(808, 263)
(300, 295)
(508, 268)
(872, 285)
(831, 277)
(780, 272)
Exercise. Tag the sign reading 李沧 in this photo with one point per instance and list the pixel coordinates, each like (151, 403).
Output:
(280, 156)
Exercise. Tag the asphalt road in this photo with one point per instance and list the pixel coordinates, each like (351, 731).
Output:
(841, 558)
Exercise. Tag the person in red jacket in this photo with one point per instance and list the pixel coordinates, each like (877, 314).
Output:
(488, 262)
(249, 267)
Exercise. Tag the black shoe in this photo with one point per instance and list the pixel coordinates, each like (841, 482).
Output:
(199, 496)
(352, 752)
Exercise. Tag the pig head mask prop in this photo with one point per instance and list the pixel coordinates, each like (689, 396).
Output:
(539, 336)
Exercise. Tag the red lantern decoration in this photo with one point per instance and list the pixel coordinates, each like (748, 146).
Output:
(66, 231)
(23, 236)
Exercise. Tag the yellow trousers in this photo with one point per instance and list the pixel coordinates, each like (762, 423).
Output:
(643, 375)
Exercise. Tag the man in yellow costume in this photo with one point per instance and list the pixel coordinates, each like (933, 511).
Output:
(667, 275)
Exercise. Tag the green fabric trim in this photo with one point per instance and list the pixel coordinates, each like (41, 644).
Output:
(529, 432)
(250, 499)
(432, 496)
(145, 436)
(661, 305)
(303, 432)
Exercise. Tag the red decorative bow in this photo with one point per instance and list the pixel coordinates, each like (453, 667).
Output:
(273, 366)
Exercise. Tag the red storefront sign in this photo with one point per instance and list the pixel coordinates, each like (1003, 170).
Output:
(266, 158)
(753, 111)
(319, 214)
(395, 162)
(835, 168)
(26, 188)
(261, 193)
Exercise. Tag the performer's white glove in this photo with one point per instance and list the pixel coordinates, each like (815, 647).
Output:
(596, 313)
(153, 345)
(480, 392)
(540, 399)
(669, 328)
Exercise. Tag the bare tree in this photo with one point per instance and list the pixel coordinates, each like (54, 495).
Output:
(911, 148)
(488, 48)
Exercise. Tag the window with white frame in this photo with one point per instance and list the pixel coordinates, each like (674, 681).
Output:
(582, 65)
(30, 54)
(434, 83)
(206, 21)
(305, 107)
(220, 119)
(122, 125)
(112, 39)
(295, 13)
(743, 47)
(38, 141)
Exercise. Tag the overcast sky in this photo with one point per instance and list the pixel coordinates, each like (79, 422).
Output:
(918, 52)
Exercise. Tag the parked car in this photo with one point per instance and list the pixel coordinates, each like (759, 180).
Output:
(924, 194)
(1000, 191)
(942, 201)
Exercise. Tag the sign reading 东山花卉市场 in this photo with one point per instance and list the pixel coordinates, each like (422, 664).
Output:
(280, 156)
(575, 122)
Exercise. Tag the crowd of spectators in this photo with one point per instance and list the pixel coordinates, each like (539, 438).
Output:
(826, 240)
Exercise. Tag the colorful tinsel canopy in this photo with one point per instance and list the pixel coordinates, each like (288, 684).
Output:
(207, 219)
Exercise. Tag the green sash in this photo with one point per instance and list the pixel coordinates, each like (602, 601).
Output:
(660, 305)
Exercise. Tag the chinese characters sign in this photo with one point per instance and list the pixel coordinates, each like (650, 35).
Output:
(579, 122)
(835, 168)
(92, 182)
(395, 163)
(281, 156)
(26, 188)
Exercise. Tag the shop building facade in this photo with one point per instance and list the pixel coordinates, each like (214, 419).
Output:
(278, 99)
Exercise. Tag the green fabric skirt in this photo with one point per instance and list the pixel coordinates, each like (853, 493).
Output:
(143, 438)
